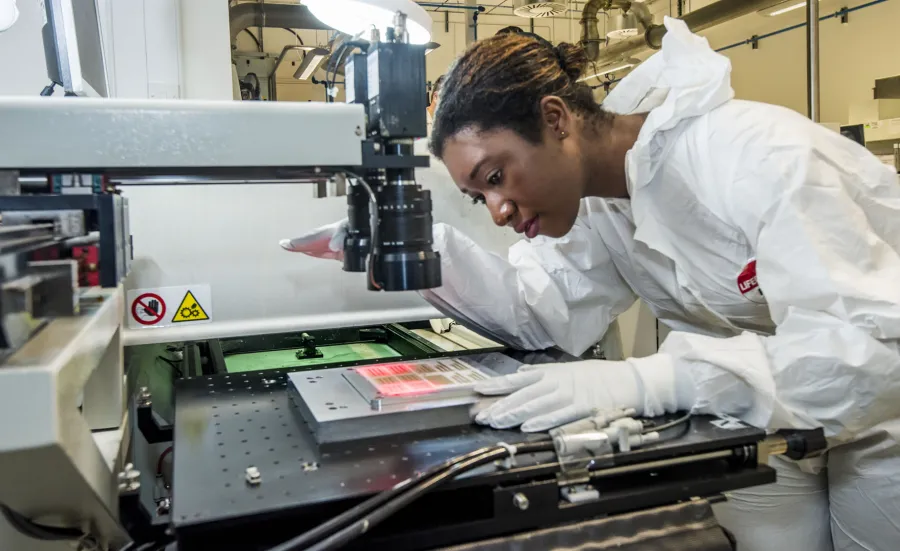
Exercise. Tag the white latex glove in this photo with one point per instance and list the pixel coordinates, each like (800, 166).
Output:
(325, 242)
(9, 13)
(547, 396)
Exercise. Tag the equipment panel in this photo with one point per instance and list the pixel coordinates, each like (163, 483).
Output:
(146, 137)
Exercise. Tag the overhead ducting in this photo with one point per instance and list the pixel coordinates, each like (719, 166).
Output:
(697, 20)
(629, 18)
(284, 16)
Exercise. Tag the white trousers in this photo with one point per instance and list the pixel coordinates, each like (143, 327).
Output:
(851, 505)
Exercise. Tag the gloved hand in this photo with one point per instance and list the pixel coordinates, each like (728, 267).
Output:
(547, 396)
(324, 242)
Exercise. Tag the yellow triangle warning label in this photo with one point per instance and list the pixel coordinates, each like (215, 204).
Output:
(189, 310)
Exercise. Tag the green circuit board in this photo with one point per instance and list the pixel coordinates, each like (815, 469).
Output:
(338, 353)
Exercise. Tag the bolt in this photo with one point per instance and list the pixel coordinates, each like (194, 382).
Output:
(317, 170)
(358, 131)
(144, 396)
(129, 479)
(163, 506)
(520, 501)
(377, 147)
(254, 478)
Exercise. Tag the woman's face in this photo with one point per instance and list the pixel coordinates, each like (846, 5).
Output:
(533, 188)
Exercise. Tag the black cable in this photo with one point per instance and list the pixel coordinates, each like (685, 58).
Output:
(295, 34)
(363, 525)
(350, 515)
(665, 426)
(386, 503)
(333, 65)
(49, 89)
(343, 51)
(172, 364)
(253, 36)
(34, 530)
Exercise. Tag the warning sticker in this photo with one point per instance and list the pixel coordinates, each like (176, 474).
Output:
(190, 310)
(148, 309)
(166, 306)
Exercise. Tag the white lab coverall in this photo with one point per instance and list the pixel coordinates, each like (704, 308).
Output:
(770, 245)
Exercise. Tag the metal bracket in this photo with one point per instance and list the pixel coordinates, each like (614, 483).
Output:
(572, 477)
(372, 159)
(579, 493)
(153, 432)
(754, 42)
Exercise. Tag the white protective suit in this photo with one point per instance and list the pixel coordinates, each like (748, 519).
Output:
(770, 245)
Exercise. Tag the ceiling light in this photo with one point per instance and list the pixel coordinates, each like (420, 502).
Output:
(783, 7)
(607, 71)
(355, 17)
(533, 9)
(311, 63)
(624, 25)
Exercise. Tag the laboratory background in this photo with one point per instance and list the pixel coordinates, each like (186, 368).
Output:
(172, 378)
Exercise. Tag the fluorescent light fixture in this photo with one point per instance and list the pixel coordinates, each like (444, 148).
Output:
(311, 63)
(784, 7)
(607, 71)
(355, 17)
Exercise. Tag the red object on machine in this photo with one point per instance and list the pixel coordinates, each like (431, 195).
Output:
(88, 258)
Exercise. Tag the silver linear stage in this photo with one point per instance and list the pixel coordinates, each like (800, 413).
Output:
(178, 137)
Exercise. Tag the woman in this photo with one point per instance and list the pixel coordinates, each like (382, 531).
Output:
(768, 243)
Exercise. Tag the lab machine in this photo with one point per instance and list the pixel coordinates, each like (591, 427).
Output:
(347, 437)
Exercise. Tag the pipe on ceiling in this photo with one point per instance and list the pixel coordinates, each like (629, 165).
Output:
(590, 28)
(697, 20)
(812, 60)
(287, 16)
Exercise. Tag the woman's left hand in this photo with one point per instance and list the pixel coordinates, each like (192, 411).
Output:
(547, 396)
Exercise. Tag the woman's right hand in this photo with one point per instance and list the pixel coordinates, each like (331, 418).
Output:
(324, 242)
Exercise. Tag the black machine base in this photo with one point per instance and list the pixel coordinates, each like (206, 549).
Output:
(228, 423)
(689, 526)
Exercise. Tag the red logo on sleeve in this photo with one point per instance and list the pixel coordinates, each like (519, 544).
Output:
(748, 284)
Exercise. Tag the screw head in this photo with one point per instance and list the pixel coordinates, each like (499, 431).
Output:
(129, 479)
(253, 476)
(163, 506)
(358, 131)
(521, 502)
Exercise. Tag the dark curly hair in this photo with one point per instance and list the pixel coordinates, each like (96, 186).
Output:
(500, 82)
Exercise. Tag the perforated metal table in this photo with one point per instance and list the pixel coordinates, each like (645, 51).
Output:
(227, 423)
